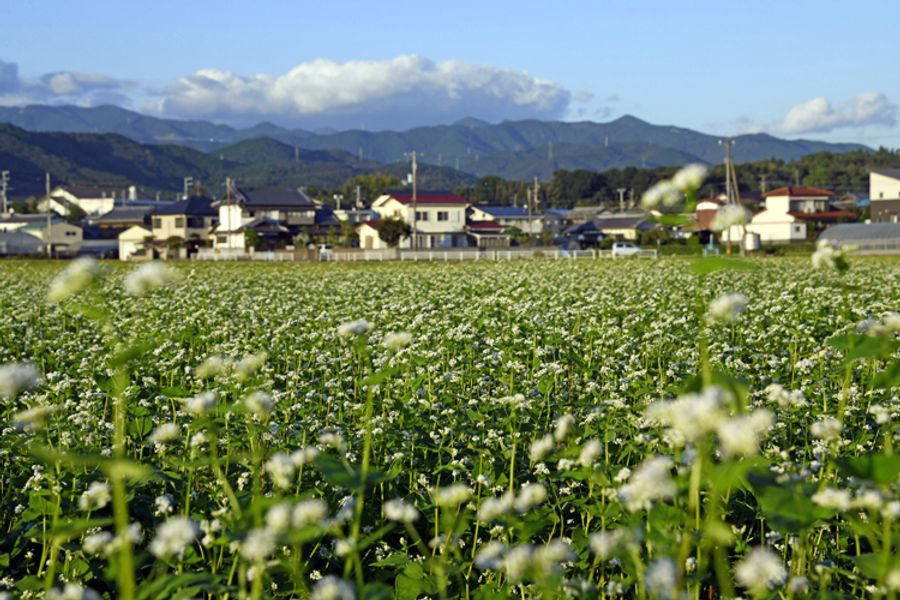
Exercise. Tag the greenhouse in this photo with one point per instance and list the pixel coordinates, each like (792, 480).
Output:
(868, 238)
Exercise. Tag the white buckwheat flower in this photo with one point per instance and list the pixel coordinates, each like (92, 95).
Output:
(259, 403)
(333, 588)
(148, 277)
(590, 452)
(661, 578)
(309, 512)
(258, 545)
(828, 429)
(494, 508)
(760, 570)
(200, 404)
(281, 468)
(531, 495)
(96, 496)
(728, 215)
(74, 278)
(726, 308)
(833, 498)
(401, 511)
(396, 341)
(165, 433)
(354, 328)
(541, 447)
(652, 481)
(690, 177)
(173, 536)
(15, 377)
(663, 193)
(740, 436)
(452, 495)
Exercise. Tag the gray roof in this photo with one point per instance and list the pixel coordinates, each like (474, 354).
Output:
(17, 242)
(123, 214)
(895, 173)
(96, 191)
(857, 232)
(195, 205)
(620, 221)
(503, 212)
(30, 218)
(277, 198)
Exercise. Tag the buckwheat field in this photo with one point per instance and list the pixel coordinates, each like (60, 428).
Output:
(668, 429)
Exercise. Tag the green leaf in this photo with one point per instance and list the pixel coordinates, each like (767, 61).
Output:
(337, 472)
(167, 587)
(788, 507)
(674, 220)
(710, 264)
(880, 468)
(876, 566)
(396, 559)
(376, 591)
(412, 583)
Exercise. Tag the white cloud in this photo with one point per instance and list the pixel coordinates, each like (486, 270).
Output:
(820, 116)
(396, 93)
(68, 87)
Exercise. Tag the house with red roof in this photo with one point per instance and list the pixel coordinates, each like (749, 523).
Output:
(793, 214)
(438, 219)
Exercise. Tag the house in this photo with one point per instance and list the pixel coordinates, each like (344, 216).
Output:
(865, 238)
(368, 236)
(580, 235)
(92, 199)
(706, 212)
(487, 234)
(623, 226)
(277, 215)
(133, 241)
(583, 214)
(65, 238)
(112, 223)
(189, 219)
(791, 214)
(554, 221)
(18, 243)
(438, 220)
(507, 216)
(884, 195)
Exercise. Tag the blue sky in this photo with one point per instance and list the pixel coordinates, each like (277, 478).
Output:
(821, 70)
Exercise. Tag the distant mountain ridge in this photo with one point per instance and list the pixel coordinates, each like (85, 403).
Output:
(511, 149)
(114, 159)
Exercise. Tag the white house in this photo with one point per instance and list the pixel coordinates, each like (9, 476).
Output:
(786, 214)
(132, 240)
(438, 220)
(507, 216)
(64, 237)
(92, 199)
(884, 195)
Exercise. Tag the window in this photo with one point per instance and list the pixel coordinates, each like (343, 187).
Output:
(443, 215)
(195, 222)
(71, 233)
(797, 228)
(179, 221)
(421, 215)
(221, 239)
(157, 223)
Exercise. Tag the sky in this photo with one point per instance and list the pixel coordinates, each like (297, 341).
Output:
(821, 69)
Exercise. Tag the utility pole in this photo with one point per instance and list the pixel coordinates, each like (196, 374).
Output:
(732, 192)
(532, 204)
(415, 228)
(763, 187)
(358, 201)
(4, 186)
(48, 243)
(621, 192)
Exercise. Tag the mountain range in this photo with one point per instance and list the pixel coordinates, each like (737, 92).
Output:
(511, 149)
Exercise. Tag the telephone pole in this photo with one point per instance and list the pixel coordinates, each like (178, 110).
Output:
(621, 192)
(4, 186)
(48, 243)
(532, 203)
(415, 228)
(732, 192)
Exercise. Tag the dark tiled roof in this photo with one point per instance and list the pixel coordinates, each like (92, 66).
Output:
(279, 198)
(623, 222)
(798, 191)
(123, 214)
(30, 218)
(199, 206)
(96, 191)
(405, 197)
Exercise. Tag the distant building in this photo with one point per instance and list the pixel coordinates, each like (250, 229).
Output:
(884, 195)
(507, 216)
(440, 217)
(487, 234)
(623, 226)
(65, 238)
(133, 241)
(92, 199)
(19, 243)
(190, 219)
(276, 214)
(866, 238)
(792, 214)
(112, 223)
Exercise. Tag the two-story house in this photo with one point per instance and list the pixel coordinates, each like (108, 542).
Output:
(884, 195)
(277, 215)
(438, 219)
(92, 199)
(793, 214)
(190, 219)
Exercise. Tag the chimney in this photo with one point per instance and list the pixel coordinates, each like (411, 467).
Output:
(132, 192)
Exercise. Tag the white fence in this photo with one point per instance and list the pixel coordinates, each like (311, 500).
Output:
(449, 255)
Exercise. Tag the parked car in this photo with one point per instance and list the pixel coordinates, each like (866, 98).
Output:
(624, 249)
